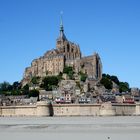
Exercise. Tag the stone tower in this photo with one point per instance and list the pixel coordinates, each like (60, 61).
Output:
(71, 51)
(97, 66)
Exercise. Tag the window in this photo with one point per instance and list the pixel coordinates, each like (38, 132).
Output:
(68, 48)
(72, 50)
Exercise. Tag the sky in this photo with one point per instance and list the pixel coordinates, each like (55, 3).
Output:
(28, 28)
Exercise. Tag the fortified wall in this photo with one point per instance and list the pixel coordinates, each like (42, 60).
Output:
(42, 109)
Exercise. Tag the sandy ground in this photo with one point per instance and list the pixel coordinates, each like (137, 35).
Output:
(70, 128)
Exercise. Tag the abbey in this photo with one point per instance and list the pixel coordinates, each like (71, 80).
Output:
(66, 53)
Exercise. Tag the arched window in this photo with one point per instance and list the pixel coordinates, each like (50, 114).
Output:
(72, 50)
(68, 48)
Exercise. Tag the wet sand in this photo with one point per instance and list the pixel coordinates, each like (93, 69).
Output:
(67, 128)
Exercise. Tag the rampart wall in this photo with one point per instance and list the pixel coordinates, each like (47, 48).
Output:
(43, 109)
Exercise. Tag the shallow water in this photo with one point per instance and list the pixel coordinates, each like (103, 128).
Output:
(76, 128)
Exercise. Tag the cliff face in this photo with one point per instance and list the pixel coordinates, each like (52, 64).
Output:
(66, 53)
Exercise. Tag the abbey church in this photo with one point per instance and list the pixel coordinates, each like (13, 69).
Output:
(66, 53)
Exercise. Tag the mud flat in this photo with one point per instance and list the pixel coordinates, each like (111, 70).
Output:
(70, 128)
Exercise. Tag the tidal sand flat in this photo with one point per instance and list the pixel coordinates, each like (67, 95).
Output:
(70, 128)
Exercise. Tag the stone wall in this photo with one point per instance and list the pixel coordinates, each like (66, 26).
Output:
(76, 110)
(137, 109)
(125, 109)
(43, 109)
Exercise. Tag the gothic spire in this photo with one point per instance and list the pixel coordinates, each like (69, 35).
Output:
(62, 35)
(61, 23)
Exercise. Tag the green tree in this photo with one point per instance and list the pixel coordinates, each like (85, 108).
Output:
(71, 75)
(8, 89)
(106, 75)
(103, 75)
(69, 71)
(123, 87)
(16, 92)
(34, 93)
(106, 82)
(25, 90)
(35, 80)
(49, 82)
(83, 77)
(115, 79)
(16, 85)
(60, 76)
(4, 86)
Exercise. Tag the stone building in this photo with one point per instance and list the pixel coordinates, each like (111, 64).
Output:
(66, 53)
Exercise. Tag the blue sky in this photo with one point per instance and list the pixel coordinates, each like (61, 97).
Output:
(28, 28)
